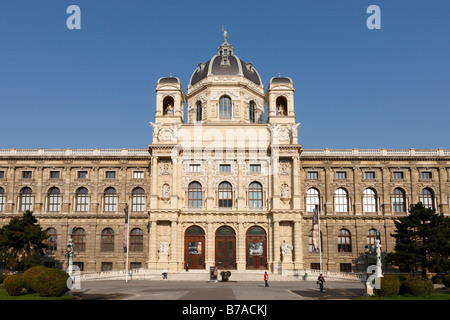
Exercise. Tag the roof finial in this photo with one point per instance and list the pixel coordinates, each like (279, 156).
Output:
(171, 74)
(278, 74)
(225, 34)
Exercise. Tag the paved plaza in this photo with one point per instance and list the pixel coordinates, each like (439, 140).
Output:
(206, 290)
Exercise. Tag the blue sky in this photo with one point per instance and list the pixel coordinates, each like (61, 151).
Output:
(95, 87)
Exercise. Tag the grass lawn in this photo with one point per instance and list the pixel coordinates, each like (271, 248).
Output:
(31, 296)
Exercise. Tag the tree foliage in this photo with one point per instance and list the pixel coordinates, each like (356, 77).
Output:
(21, 242)
(422, 241)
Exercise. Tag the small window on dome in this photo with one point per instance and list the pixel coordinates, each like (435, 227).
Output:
(225, 111)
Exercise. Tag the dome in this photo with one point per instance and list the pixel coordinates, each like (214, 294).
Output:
(225, 63)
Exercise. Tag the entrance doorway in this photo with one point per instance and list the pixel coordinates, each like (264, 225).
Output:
(256, 242)
(225, 248)
(194, 248)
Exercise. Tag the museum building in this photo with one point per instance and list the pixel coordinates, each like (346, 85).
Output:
(223, 183)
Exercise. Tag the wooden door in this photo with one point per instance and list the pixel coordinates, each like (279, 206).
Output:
(256, 244)
(194, 248)
(225, 248)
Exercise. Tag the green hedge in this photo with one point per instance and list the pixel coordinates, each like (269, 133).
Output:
(51, 283)
(13, 284)
(29, 277)
(418, 286)
(390, 286)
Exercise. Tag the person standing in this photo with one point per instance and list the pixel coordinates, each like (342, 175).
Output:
(320, 281)
(266, 279)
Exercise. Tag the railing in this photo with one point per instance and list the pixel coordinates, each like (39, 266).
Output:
(377, 152)
(305, 152)
(73, 152)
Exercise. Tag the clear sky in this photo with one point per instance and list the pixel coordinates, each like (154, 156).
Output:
(95, 87)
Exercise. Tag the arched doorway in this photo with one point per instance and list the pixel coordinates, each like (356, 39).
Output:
(256, 242)
(226, 248)
(194, 248)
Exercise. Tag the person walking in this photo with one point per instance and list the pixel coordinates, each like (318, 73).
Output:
(266, 279)
(320, 281)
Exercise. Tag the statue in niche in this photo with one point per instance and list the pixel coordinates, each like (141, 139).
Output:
(284, 191)
(286, 248)
(164, 248)
(165, 191)
(169, 110)
(281, 110)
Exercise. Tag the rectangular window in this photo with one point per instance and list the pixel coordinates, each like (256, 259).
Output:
(255, 168)
(426, 175)
(82, 174)
(2, 174)
(346, 267)
(369, 175)
(313, 175)
(135, 265)
(26, 174)
(54, 174)
(110, 174)
(225, 168)
(397, 175)
(106, 266)
(342, 175)
(138, 174)
(194, 168)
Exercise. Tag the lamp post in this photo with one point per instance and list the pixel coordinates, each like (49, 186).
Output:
(70, 253)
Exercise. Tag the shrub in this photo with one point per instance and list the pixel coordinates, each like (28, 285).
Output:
(390, 286)
(446, 280)
(418, 286)
(51, 283)
(436, 279)
(13, 284)
(29, 277)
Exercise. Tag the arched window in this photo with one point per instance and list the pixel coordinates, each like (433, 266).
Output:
(199, 111)
(110, 200)
(136, 240)
(225, 195)
(26, 199)
(398, 200)
(255, 195)
(344, 241)
(79, 240)
(427, 198)
(2, 199)
(82, 199)
(107, 243)
(225, 108)
(195, 195)
(370, 200)
(252, 112)
(371, 238)
(54, 200)
(51, 243)
(341, 200)
(138, 200)
(312, 199)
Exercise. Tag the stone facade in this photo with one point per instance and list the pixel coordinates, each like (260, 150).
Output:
(222, 183)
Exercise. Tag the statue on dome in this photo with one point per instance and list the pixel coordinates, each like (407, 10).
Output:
(225, 34)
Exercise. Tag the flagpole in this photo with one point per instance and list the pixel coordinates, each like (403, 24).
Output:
(128, 243)
(320, 240)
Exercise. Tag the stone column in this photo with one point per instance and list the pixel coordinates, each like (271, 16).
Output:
(241, 248)
(152, 248)
(386, 198)
(276, 246)
(298, 246)
(173, 247)
(296, 197)
(154, 177)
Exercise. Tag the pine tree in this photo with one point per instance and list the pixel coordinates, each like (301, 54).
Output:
(21, 242)
(422, 241)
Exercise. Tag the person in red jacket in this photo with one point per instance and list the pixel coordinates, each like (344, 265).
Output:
(266, 279)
